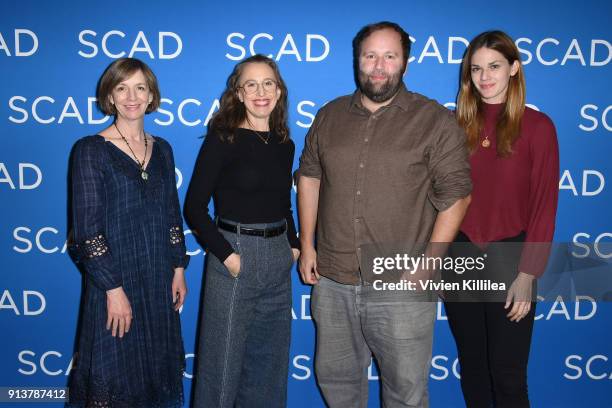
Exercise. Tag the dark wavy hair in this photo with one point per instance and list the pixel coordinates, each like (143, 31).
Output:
(232, 112)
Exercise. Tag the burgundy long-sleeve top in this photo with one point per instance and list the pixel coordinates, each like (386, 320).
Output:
(517, 193)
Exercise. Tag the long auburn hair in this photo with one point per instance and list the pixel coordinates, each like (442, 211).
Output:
(470, 105)
(232, 112)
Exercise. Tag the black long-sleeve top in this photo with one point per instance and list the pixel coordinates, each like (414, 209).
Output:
(250, 182)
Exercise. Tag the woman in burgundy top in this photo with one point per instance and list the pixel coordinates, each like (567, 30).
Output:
(515, 170)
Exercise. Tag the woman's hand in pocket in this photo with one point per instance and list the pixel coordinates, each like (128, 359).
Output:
(232, 263)
(296, 254)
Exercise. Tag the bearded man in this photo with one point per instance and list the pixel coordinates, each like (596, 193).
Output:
(380, 167)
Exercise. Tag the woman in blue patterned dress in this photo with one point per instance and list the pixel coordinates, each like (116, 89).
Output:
(128, 237)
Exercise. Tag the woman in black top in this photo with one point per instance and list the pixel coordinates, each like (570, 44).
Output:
(245, 164)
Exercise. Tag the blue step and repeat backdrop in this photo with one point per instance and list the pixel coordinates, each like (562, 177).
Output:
(53, 53)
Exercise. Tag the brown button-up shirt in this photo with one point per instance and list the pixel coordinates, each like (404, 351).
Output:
(384, 176)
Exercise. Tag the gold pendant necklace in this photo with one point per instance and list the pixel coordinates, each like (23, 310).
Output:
(485, 142)
(143, 173)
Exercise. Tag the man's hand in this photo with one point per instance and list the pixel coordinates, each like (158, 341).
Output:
(308, 266)
(308, 201)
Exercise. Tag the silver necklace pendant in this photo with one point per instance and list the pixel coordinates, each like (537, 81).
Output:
(261, 137)
(144, 175)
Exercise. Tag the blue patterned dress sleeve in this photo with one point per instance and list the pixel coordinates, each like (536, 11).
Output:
(180, 259)
(88, 215)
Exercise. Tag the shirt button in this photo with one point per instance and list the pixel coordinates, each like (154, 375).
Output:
(366, 140)
(358, 192)
(356, 219)
(361, 165)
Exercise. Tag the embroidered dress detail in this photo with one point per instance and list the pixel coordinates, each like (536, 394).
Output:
(93, 247)
(176, 235)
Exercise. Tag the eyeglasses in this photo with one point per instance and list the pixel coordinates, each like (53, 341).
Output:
(251, 87)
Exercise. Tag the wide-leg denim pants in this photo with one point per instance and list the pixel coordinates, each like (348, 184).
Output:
(243, 352)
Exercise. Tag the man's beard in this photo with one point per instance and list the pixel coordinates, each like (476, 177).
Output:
(385, 91)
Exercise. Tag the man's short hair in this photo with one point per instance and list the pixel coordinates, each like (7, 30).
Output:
(371, 28)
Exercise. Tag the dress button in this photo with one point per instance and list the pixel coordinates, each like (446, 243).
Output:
(361, 165)
(366, 139)
(358, 192)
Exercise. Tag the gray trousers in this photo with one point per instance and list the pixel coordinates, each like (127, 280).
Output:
(243, 352)
(355, 322)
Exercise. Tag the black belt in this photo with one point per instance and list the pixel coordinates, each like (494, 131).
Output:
(257, 232)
